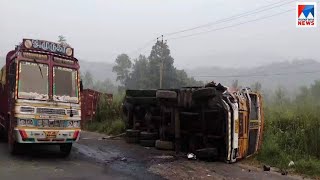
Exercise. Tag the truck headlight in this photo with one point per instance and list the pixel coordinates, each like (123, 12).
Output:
(70, 124)
(76, 124)
(25, 122)
(73, 124)
(21, 122)
(29, 122)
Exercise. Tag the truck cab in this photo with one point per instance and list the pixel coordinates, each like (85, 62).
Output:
(40, 95)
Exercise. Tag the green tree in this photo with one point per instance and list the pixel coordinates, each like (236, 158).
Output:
(160, 56)
(139, 78)
(315, 89)
(87, 80)
(256, 87)
(122, 68)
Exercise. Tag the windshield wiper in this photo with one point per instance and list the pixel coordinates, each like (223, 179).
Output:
(39, 67)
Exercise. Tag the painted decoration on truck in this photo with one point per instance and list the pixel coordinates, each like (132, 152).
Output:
(42, 45)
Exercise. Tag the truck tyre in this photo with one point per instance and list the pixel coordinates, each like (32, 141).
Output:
(203, 93)
(148, 135)
(147, 143)
(132, 133)
(132, 140)
(65, 149)
(3, 135)
(142, 100)
(141, 93)
(207, 154)
(164, 145)
(163, 94)
(15, 148)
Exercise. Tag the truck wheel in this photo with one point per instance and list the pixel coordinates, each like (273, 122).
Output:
(163, 94)
(65, 149)
(15, 148)
(132, 140)
(207, 154)
(148, 135)
(3, 135)
(147, 143)
(204, 93)
(164, 145)
(132, 133)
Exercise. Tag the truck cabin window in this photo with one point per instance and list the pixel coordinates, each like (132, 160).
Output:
(65, 86)
(33, 81)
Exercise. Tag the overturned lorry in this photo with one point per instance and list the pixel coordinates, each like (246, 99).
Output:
(211, 121)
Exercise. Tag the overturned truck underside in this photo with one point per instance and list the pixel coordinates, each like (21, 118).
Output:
(211, 121)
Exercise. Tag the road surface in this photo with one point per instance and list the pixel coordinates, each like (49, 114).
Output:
(97, 158)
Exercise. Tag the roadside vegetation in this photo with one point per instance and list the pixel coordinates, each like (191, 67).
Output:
(108, 119)
(292, 131)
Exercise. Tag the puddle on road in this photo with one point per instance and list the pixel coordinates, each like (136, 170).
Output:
(97, 155)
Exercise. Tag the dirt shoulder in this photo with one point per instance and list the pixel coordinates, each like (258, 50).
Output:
(156, 164)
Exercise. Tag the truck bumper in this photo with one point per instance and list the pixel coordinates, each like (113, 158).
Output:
(46, 136)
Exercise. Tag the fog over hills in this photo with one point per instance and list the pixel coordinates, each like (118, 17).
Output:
(287, 74)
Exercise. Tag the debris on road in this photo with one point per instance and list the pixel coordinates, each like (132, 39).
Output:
(266, 168)
(191, 156)
(291, 163)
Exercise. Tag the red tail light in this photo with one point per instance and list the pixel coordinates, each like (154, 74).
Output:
(75, 135)
(23, 134)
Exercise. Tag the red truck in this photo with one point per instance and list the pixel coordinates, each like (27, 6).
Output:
(40, 95)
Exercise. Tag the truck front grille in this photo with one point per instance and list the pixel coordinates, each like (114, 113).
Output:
(51, 111)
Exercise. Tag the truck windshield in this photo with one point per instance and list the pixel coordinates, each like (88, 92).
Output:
(65, 87)
(33, 81)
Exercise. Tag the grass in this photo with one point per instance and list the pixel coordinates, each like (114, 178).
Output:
(292, 133)
(108, 117)
(111, 128)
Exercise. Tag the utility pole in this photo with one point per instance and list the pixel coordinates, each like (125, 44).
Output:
(161, 73)
(161, 63)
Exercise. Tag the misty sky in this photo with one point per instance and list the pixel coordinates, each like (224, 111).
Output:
(98, 30)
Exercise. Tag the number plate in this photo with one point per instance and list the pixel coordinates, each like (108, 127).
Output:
(51, 134)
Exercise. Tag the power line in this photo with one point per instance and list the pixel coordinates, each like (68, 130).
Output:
(260, 75)
(230, 26)
(234, 17)
(143, 46)
(255, 11)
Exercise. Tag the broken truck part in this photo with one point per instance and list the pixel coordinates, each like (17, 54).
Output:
(210, 121)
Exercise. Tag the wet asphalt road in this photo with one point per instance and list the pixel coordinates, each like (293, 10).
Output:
(94, 158)
(46, 163)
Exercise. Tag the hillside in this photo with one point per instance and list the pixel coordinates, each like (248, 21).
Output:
(289, 74)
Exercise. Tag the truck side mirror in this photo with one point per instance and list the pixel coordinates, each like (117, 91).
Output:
(81, 86)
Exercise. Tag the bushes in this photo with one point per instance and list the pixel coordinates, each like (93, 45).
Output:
(108, 117)
(112, 128)
(292, 133)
